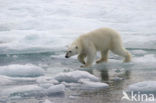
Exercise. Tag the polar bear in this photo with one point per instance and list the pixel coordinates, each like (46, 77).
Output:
(103, 40)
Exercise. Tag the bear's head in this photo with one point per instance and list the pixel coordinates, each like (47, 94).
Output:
(72, 50)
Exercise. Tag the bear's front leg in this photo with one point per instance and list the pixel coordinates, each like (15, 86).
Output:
(90, 58)
(89, 62)
(81, 58)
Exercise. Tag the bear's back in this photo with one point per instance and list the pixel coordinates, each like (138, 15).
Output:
(102, 38)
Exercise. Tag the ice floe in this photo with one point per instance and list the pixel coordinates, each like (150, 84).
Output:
(143, 87)
(80, 80)
(16, 70)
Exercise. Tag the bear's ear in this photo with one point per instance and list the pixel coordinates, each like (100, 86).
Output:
(76, 47)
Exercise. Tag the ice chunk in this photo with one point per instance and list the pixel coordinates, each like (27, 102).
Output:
(143, 87)
(47, 101)
(86, 84)
(16, 70)
(75, 76)
(56, 90)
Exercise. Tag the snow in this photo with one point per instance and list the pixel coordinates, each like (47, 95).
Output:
(16, 70)
(75, 76)
(143, 87)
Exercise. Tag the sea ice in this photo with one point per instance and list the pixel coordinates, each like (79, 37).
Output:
(143, 87)
(16, 70)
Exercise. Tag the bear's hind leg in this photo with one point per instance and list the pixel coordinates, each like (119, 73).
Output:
(104, 57)
(81, 58)
(124, 53)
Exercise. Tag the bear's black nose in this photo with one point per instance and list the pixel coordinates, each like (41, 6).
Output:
(66, 56)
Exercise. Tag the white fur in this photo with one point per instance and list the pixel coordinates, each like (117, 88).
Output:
(103, 40)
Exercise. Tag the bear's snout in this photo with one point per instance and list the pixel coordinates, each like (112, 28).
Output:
(66, 56)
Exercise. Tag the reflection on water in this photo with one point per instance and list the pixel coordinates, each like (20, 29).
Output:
(104, 75)
(119, 79)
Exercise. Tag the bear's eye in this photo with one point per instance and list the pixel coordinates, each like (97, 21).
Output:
(70, 51)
